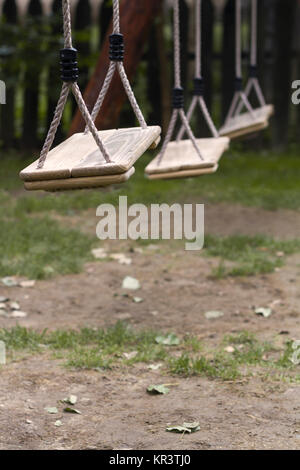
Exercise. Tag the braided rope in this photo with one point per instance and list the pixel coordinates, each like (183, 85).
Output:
(66, 88)
(177, 64)
(238, 39)
(254, 33)
(253, 82)
(177, 79)
(240, 99)
(54, 125)
(103, 92)
(120, 67)
(198, 74)
(168, 136)
(198, 51)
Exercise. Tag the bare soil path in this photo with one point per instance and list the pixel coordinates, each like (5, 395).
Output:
(116, 411)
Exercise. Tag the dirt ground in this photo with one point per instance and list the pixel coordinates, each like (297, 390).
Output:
(117, 413)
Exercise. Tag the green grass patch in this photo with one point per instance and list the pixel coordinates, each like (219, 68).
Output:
(220, 367)
(262, 179)
(248, 256)
(41, 247)
(121, 345)
(248, 349)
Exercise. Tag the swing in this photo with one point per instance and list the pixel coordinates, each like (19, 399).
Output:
(238, 124)
(191, 157)
(93, 158)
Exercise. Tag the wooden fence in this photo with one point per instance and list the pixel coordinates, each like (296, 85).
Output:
(30, 34)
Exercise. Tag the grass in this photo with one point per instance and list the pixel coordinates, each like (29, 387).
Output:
(267, 180)
(40, 247)
(248, 256)
(93, 348)
(34, 245)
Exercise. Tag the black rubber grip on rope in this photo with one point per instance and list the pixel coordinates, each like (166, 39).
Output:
(238, 84)
(116, 47)
(198, 87)
(69, 65)
(253, 71)
(178, 98)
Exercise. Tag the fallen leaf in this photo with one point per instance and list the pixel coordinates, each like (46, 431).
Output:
(195, 426)
(58, 423)
(130, 355)
(130, 283)
(185, 428)
(154, 366)
(71, 400)
(52, 410)
(14, 305)
(229, 349)
(138, 300)
(158, 390)
(72, 410)
(99, 253)
(18, 314)
(179, 429)
(27, 284)
(264, 312)
(213, 314)
(169, 340)
(10, 281)
(121, 258)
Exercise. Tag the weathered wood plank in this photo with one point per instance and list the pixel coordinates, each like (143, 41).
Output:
(183, 156)
(245, 124)
(70, 184)
(124, 146)
(183, 174)
(79, 155)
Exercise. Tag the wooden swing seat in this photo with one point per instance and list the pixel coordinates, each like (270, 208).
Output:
(182, 157)
(245, 123)
(79, 156)
(69, 184)
(182, 174)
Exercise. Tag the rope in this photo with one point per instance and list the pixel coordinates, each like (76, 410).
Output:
(111, 71)
(66, 88)
(54, 124)
(103, 92)
(177, 79)
(238, 39)
(177, 64)
(253, 82)
(198, 75)
(198, 63)
(254, 20)
(240, 99)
